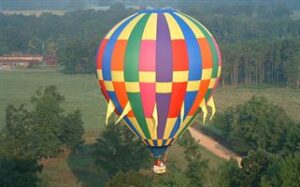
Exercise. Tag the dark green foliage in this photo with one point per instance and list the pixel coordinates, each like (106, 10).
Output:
(42, 132)
(260, 168)
(16, 172)
(29, 136)
(229, 175)
(172, 179)
(256, 165)
(78, 55)
(118, 149)
(197, 166)
(130, 178)
(72, 130)
(258, 124)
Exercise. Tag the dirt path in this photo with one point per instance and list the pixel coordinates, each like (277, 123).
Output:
(213, 146)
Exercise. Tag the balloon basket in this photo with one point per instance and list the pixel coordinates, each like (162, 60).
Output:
(159, 167)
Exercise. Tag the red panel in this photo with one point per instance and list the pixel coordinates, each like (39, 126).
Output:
(177, 97)
(180, 55)
(100, 53)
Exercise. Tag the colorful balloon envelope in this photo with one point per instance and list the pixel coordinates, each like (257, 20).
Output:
(157, 70)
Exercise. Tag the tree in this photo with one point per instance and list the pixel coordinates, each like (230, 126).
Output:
(130, 178)
(44, 130)
(229, 174)
(172, 179)
(18, 166)
(72, 130)
(256, 165)
(258, 124)
(118, 149)
(197, 166)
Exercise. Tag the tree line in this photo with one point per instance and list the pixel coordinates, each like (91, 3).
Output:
(259, 43)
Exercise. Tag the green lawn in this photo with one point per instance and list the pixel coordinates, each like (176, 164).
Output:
(82, 93)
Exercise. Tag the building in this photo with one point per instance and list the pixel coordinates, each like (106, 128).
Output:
(50, 60)
(19, 60)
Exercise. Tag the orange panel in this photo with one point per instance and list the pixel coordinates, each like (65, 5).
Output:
(202, 91)
(118, 56)
(207, 61)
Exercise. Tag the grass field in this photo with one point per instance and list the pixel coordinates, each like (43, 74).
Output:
(81, 92)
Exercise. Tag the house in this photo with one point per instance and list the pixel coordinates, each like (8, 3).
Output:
(50, 60)
(19, 60)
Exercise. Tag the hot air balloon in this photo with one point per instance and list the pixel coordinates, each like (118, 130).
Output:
(157, 70)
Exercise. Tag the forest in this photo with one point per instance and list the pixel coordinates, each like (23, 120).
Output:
(260, 43)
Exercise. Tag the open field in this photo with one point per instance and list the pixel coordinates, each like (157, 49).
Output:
(82, 93)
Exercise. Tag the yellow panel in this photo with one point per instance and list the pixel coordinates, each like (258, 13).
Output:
(109, 86)
(137, 126)
(185, 122)
(147, 76)
(150, 142)
(116, 26)
(193, 86)
(117, 76)
(125, 34)
(169, 127)
(163, 87)
(151, 128)
(180, 76)
(150, 28)
(132, 87)
(175, 30)
(206, 74)
(219, 71)
(99, 74)
(212, 83)
(197, 32)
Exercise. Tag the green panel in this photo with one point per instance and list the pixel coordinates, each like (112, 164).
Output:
(131, 71)
(133, 51)
(136, 104)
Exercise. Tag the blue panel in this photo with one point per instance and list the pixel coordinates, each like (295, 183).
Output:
(175, 128)
(194, 53)
(189, 101)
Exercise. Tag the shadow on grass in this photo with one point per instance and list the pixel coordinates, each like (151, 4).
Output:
(82, 165)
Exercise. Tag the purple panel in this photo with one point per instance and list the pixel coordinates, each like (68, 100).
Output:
(163, 101)
(164, 70)
(163, 51)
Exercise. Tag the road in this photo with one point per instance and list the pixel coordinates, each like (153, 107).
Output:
(213, 146)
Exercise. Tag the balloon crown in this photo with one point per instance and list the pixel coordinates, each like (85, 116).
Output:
(161, 10)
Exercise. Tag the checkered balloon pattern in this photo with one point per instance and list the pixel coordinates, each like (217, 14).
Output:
(157, 70)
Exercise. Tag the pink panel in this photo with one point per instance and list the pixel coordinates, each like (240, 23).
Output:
(148, 98)
(147, 55)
